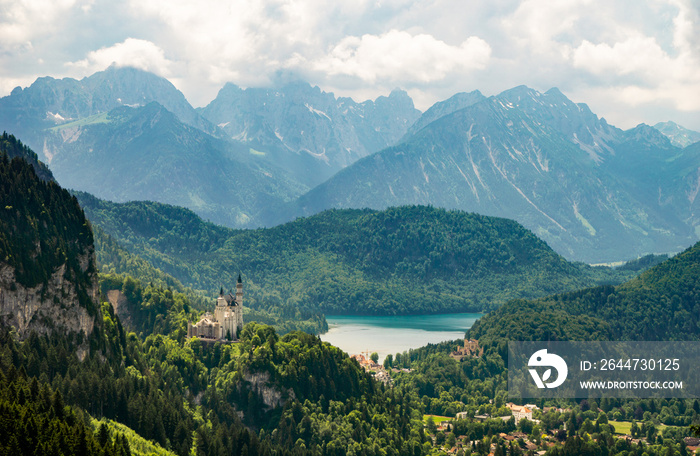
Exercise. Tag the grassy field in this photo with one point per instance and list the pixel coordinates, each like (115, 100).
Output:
(439, 419)
(621, 427)
(97, 118)
(137, 444)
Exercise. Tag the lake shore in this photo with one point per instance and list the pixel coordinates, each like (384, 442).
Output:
(394, 334)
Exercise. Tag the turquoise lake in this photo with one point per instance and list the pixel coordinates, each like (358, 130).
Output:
(391, 335)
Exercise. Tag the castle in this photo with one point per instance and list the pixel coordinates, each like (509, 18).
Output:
(227, 320)
(471, 349)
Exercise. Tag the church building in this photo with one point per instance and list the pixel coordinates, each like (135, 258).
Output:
(226, 321)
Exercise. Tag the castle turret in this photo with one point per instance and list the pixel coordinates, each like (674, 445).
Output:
(239, 291)
(239, 303)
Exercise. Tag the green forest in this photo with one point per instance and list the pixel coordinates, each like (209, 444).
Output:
(662, 303)
(136, 279)
(405, 260)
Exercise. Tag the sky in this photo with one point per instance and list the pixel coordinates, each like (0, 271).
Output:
(631, 61)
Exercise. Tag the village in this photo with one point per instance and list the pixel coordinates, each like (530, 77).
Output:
(519, 429)
(379, 372)
(524, 433)
(369, 362)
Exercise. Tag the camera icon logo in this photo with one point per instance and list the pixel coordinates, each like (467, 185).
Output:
(543, 359)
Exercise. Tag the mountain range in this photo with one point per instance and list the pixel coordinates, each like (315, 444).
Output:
(149, 153)
(307, 130)
(260, 157)
(592, 191)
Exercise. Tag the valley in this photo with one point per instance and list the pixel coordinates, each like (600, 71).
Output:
(367, 225)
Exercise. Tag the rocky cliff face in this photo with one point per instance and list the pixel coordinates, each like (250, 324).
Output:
(48, 279)
(119, 303)
(49, 307)
(260, 383)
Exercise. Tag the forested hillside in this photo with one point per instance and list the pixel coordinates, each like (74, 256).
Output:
(46, 251)
(187, 395)
(662, 303)
(42, 226)
(263, 395)
(405, 260)
(296, 395)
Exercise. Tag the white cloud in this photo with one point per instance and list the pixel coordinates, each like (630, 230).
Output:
(249, 41)
(131, 52)
(537, 26)
(23, 21)
(400, 56)
(638, 71)
(641, 55)
(243, 34)
(687, 28)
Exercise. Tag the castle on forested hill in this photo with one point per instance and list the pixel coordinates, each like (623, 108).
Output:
(471, 349)
(226, 321)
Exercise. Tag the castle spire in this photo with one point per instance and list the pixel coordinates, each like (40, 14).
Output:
(239, 291)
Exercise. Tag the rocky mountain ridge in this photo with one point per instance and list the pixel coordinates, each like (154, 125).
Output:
(305, 128)
(593, 191)
(587, 188)
(147, 153)
(679, 136)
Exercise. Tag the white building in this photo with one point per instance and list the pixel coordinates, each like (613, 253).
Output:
(519, 411)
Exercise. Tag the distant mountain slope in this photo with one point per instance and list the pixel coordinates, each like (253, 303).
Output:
(588, 189)
(660, 304)
(283, 141)
(46, 253)
(679, 136)
(399, 261)
(147, 153)
(310, 131)
(49, 102)
(443, 108)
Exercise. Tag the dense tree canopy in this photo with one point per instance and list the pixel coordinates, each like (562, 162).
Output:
(406, 260)
(662, 303)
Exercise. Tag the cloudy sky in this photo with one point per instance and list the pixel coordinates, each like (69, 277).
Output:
(632, 61)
